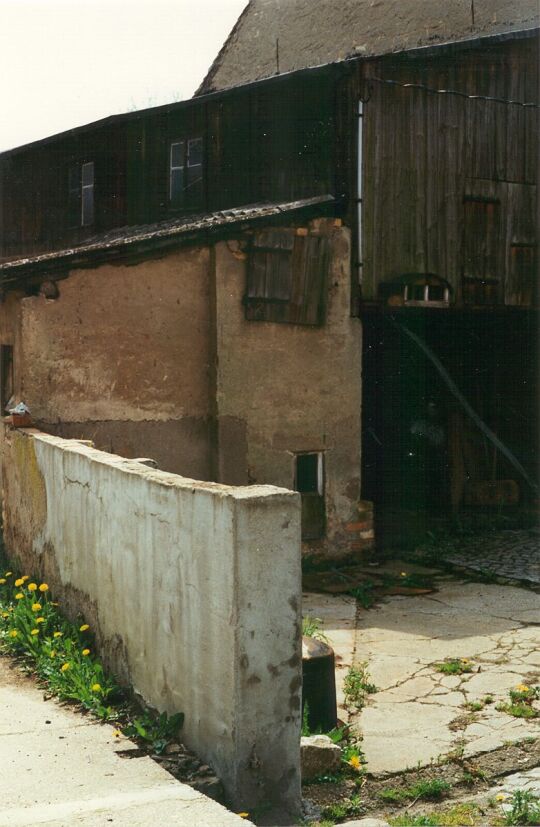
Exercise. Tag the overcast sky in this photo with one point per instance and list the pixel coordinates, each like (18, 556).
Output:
(68, 62)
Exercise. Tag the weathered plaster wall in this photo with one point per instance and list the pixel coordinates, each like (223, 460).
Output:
(285, 389)
(193, 590)
(122, 357)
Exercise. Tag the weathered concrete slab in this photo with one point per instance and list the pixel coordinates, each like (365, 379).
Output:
(418, 714)
(62, 768)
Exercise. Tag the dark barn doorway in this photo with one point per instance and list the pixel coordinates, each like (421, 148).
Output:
(422, 454)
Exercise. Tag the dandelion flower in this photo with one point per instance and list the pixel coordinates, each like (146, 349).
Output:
(5, 614)
(19, 582)
(86, 652)
(355, 762)
(34, 632)
(84, 627)
(243, 815)
(117, 733)
(24, 578)
(8, 574)
(2, 580)
(13, 633)
(500, 797)
(32, 587)
(44, 587)
(40, 620)
(36, 607)
(521, 687)
(64, 667)
(19, 596)
(57, 634)
(96, 687)
(53, 653)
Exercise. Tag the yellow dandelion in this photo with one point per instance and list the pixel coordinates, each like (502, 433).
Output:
(117, 733)
(2, 580)
(57, 634)
(13, 633)
(64, 667)
(19, 582)
(86, 652)
(32, 587)
(44, 587)
(355, 762)
(5, 614)
(500, 797)
(84, 627)
(243, 815)
(521, 687)
(53, 653)
(36, 607)
(403, 574)
(40, 620)
(34, 632)
(96, 687)
(24, 578)
(8, 574)
(19, 596)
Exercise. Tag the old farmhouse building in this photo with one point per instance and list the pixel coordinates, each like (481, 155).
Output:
(321, 272)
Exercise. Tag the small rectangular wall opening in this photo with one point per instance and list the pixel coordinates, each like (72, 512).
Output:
(309, 481)
(6, 376)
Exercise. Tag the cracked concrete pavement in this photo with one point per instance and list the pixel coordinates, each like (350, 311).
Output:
(62, 768)
(418, 714)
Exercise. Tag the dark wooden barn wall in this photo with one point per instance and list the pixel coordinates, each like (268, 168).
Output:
(267, 143)
(427, 156)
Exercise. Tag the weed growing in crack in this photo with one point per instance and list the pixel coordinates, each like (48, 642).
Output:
(524, 808)
(454, 666)
(357, 685)
(343, 809)
(364, 594)
(431, 790)
(477, 706)
(456, 816)
(521, 702)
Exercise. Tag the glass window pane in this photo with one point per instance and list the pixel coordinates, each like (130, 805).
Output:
(87, 206)
(194, 152)
(177, 183)
(177, 154)
(88, 174)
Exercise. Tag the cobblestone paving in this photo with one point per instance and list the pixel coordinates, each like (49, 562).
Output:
(514, 555)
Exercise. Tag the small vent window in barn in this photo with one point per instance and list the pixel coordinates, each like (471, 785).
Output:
(287, 276)
(185, 172)
(309, 481)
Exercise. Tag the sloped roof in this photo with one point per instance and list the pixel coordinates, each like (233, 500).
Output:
(163, 234)
(299, 34)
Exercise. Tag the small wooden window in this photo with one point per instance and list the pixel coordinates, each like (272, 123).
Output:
(6, 376)
(287, 277)
(185, 172)
(309, 481)
(481, 251)
(523, 281)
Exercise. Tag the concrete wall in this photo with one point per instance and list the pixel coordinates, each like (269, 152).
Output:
(286, 389)
(193, 590)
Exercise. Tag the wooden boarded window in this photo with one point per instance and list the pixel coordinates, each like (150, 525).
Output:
(287, 277)
(481, 251)
(522, 288)
(185, 172)
(309, 481)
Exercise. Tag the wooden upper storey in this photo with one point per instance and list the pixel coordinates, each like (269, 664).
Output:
(449, 208)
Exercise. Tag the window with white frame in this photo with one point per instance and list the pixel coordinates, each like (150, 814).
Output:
(81, 194)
